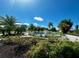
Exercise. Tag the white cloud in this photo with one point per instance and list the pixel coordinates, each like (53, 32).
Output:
(22, 24)
(18, 23)
(26, 24)
(44, 26)
(39, 19)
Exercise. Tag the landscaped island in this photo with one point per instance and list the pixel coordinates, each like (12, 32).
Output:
(38, 42)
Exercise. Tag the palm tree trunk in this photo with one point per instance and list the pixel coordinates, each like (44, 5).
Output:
(3, 32)
(9, 33)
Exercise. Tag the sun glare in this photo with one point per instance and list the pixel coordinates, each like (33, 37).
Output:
(23, 2)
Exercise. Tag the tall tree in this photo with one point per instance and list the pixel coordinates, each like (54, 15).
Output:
(65, 25)
(2, 29)
(20, 29)
(76, 27)
(50, 26)
(53, 29)
(32, 27)
(23, 28)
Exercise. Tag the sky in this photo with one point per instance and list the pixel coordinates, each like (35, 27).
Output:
(41, 12)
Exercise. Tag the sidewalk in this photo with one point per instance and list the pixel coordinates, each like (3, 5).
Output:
(72, 37)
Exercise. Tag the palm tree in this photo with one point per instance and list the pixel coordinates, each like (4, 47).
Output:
(65, 25)
(2, 29)
(9, 23)
(50, 26)
(76, 27)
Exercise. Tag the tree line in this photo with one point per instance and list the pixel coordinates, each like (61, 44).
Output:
(7, 25)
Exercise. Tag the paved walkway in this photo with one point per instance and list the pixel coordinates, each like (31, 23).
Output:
(72, 37)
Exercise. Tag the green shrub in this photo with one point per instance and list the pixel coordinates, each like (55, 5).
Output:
(76, 49)
(52, 39)
(36, 47)
(66, 52)
(66, 49)
(39, 51)
(43, 49)
(76, 55)
(61, 49)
